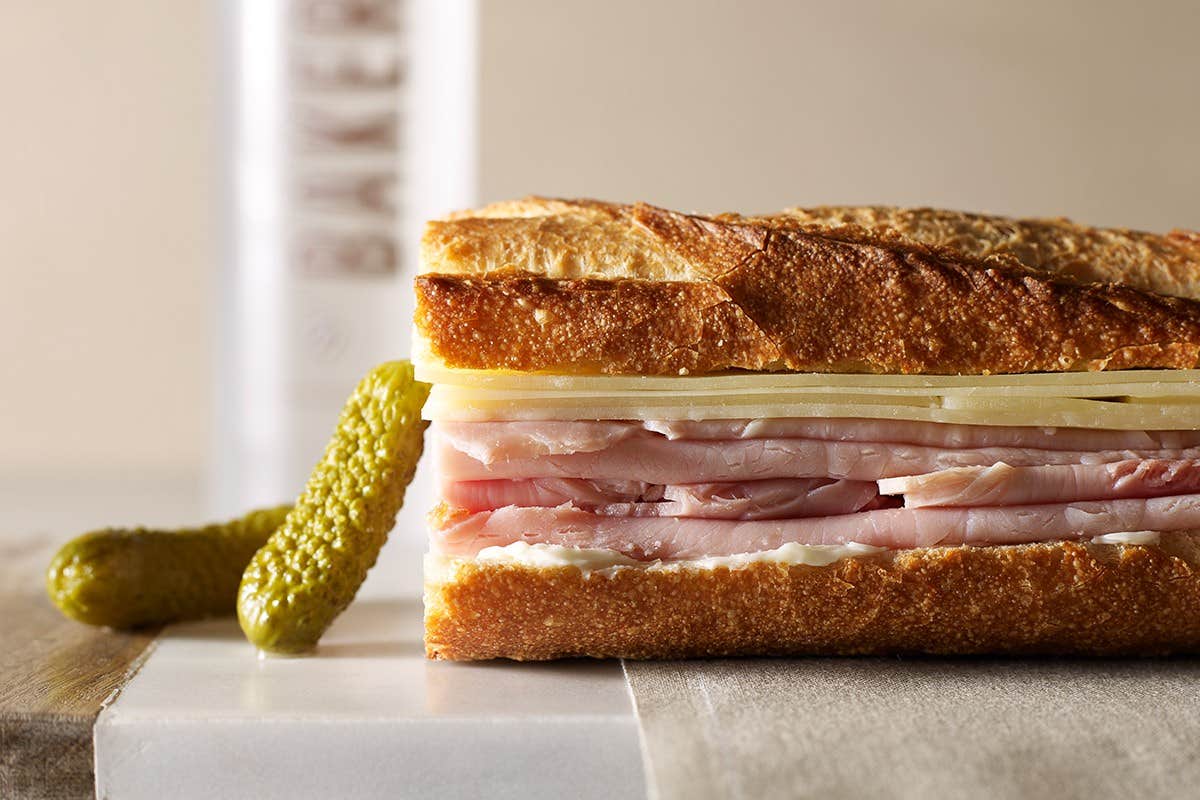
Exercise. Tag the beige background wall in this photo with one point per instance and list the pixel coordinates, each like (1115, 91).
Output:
(107, 233)
(109, 146)
(1022, 106)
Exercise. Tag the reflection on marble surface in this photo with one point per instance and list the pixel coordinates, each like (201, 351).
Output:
(371, 663)
(365, 715)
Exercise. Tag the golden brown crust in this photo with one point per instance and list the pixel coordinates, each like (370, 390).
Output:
(704, 294)
(522, 322)
(893, 315)
(593, 239)
(1062, 597)
(1167, 264)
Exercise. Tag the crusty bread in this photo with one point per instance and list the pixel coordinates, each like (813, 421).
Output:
(1058, 597)
(588, 287)
(1167, 264)
(592, 239)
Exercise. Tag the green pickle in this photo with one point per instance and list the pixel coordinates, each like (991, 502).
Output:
(127, 578)
(313, 565)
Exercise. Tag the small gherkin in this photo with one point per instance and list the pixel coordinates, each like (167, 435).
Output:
(130, 577)
(312, 566)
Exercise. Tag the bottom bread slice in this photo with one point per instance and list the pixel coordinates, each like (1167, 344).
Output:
(1051, 598)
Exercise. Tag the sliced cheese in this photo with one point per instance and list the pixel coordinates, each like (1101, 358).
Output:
(445, 403)
(1130, 400)
(1144, 383)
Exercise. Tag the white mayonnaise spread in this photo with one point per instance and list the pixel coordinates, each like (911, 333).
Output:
(552, 555)
(813, 555)
(1129, 537)
(588, 560)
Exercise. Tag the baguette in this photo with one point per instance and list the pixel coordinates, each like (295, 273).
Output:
(593, 239)
(586, 287)
(1166, 264)
(1052, 598)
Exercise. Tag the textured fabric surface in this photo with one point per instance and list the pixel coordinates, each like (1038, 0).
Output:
(919, 728)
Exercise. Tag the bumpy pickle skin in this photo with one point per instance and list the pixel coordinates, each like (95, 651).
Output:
(311, 568)
(135, 577)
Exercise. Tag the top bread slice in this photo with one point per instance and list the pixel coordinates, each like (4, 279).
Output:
(591, 287)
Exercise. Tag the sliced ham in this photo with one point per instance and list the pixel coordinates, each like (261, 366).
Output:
(933, 434)
(500, 441)
(658, 460)
(670, 538)
(771, 499)
(1006, 485)
(489, 494)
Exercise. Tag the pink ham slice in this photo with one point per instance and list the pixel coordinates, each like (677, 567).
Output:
(668, 538)
(501, 441)
(1005, 485)
(658, 460)
(934, 434)
(772, 499)
(489, 494)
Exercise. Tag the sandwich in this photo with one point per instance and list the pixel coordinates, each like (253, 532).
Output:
(826, 431)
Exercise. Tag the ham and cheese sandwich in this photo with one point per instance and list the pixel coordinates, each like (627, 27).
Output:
(825, 431)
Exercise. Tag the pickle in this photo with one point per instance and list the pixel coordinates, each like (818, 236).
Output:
(130, 577)
(311, 568)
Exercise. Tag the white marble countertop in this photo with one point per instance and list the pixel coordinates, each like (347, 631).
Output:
(367, 716)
